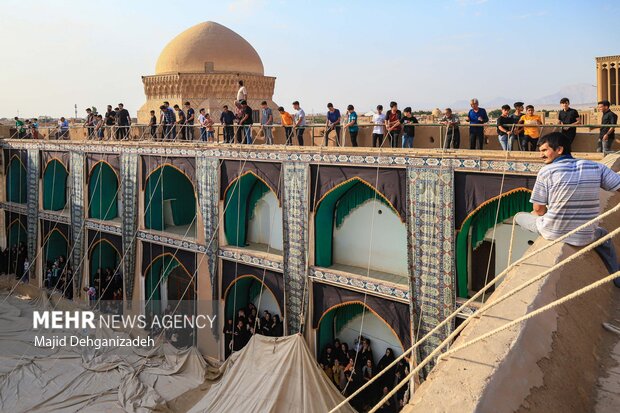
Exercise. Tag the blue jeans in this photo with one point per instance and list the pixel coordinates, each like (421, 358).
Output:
(203, 134)
(506, 142)
(606, 250)
(407, 141)
(247, 130)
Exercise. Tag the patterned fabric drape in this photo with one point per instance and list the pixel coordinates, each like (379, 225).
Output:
(430, 232)
(129, 190)
(33, 205)
(207, 172)
(76, 179)
(295, 226)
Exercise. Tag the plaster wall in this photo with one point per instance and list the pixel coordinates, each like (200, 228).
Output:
(373, 328)
(388, 248)
(267, 301)
(266, 225)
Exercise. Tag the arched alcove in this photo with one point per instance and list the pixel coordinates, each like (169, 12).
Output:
(253, 213)
(16, 233)
(170, 202)
(167, 281)
(103, 255)
(353, 222)
(103, 192)
(344, 321)
(248, 289)
(471, 236)
(16, 181)
(55, 245)
(55, 177)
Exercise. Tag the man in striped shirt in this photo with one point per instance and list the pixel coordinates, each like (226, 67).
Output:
(566, 196)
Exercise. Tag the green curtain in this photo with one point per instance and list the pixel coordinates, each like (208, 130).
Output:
(159, 269)
(240, 294)
(17, 234)
(479, 223)
(354, 198)
(333, 209)
(241, 199)
(173, 185)
(103, 193)
(16, 188)
(103, 255)
(334, 321)
(55, 186)
(55, 246)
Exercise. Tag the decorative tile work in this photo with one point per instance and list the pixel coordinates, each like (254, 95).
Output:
(430, 236)
(171, 241)
(32, 203)
(54, 217)
(110, 228)
(371, 286)
(295, 227)
(249, 258)
(220, 152)
(16, 208)
(76, 179)
(129, 217)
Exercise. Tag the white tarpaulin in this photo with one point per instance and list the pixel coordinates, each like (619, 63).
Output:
(70, 379)
(272, 374)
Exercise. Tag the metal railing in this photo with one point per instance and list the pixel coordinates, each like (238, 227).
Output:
(439, 136)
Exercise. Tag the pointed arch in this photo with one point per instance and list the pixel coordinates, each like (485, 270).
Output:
(16, 233)
(102, 254)
(242, 291)
(16, 181)
(479, 221)
(55, 244)
(336, 318)
(103, 184)
(55, 175)
(161, 270)
(169, 198)
(240, 198)
(332, 209)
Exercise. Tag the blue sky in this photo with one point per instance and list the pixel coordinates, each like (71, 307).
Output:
(420, 53)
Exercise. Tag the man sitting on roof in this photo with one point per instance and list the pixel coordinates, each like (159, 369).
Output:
(566, 196)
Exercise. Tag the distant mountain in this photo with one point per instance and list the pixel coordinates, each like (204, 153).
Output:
(579, 94)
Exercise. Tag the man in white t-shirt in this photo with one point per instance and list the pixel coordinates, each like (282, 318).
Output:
(299, 120)
(242, 93)
(378, 131)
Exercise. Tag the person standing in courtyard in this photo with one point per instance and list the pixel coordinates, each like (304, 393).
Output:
(287, 123)
(476, 116)
(393, 125)
(332, 123)
(530, 139)
(505, 132)
(266, 122)
(299, 118)
(242, 93)
(124, 122)
(227, 119)
(606, 135)
(378, 131)
(352, 126)
(453, 135)
(566, 195)
(191, 118)
(408, 121)
(568, 116)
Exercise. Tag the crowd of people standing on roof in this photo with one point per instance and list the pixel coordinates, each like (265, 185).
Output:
(517, 128)
(247, 322)
(350, 367)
